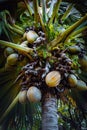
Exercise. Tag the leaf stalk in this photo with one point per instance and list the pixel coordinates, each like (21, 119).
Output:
(16, 46)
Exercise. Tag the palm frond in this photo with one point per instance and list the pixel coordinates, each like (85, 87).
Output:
(28, 117)
(80, 98)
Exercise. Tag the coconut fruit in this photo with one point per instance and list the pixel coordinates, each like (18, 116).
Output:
(81, 85)
(72, 80)
(53, 78)
(74, 49)
(83, 62)
(34, 94)
(23, 96)
(31, 36)
(8, 51)
(25, 35)
(12, 59)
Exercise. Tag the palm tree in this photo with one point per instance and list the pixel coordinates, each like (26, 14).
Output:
(44, 60)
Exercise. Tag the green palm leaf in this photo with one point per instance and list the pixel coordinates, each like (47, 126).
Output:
(80, 99)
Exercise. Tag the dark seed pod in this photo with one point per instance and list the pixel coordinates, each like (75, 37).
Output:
(40, 33)
(40, 38)
(32, 28)
(59, 59)
(43, 39)
(38, 41)
(68, 61)
(63, 55)
(27, 29)
(62, 70)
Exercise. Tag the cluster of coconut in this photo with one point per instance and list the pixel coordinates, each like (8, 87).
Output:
(52, 78)
(74, 82)
(33, 37)
(11, 56)
(30, 37)
(82, 57)
(33, 94)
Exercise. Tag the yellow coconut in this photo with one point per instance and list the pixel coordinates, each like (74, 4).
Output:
(53, 78)
(31, 36)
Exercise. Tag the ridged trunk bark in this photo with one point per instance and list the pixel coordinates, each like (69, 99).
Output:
(49, 113)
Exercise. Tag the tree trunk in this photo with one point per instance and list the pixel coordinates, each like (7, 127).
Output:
(49, 113)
